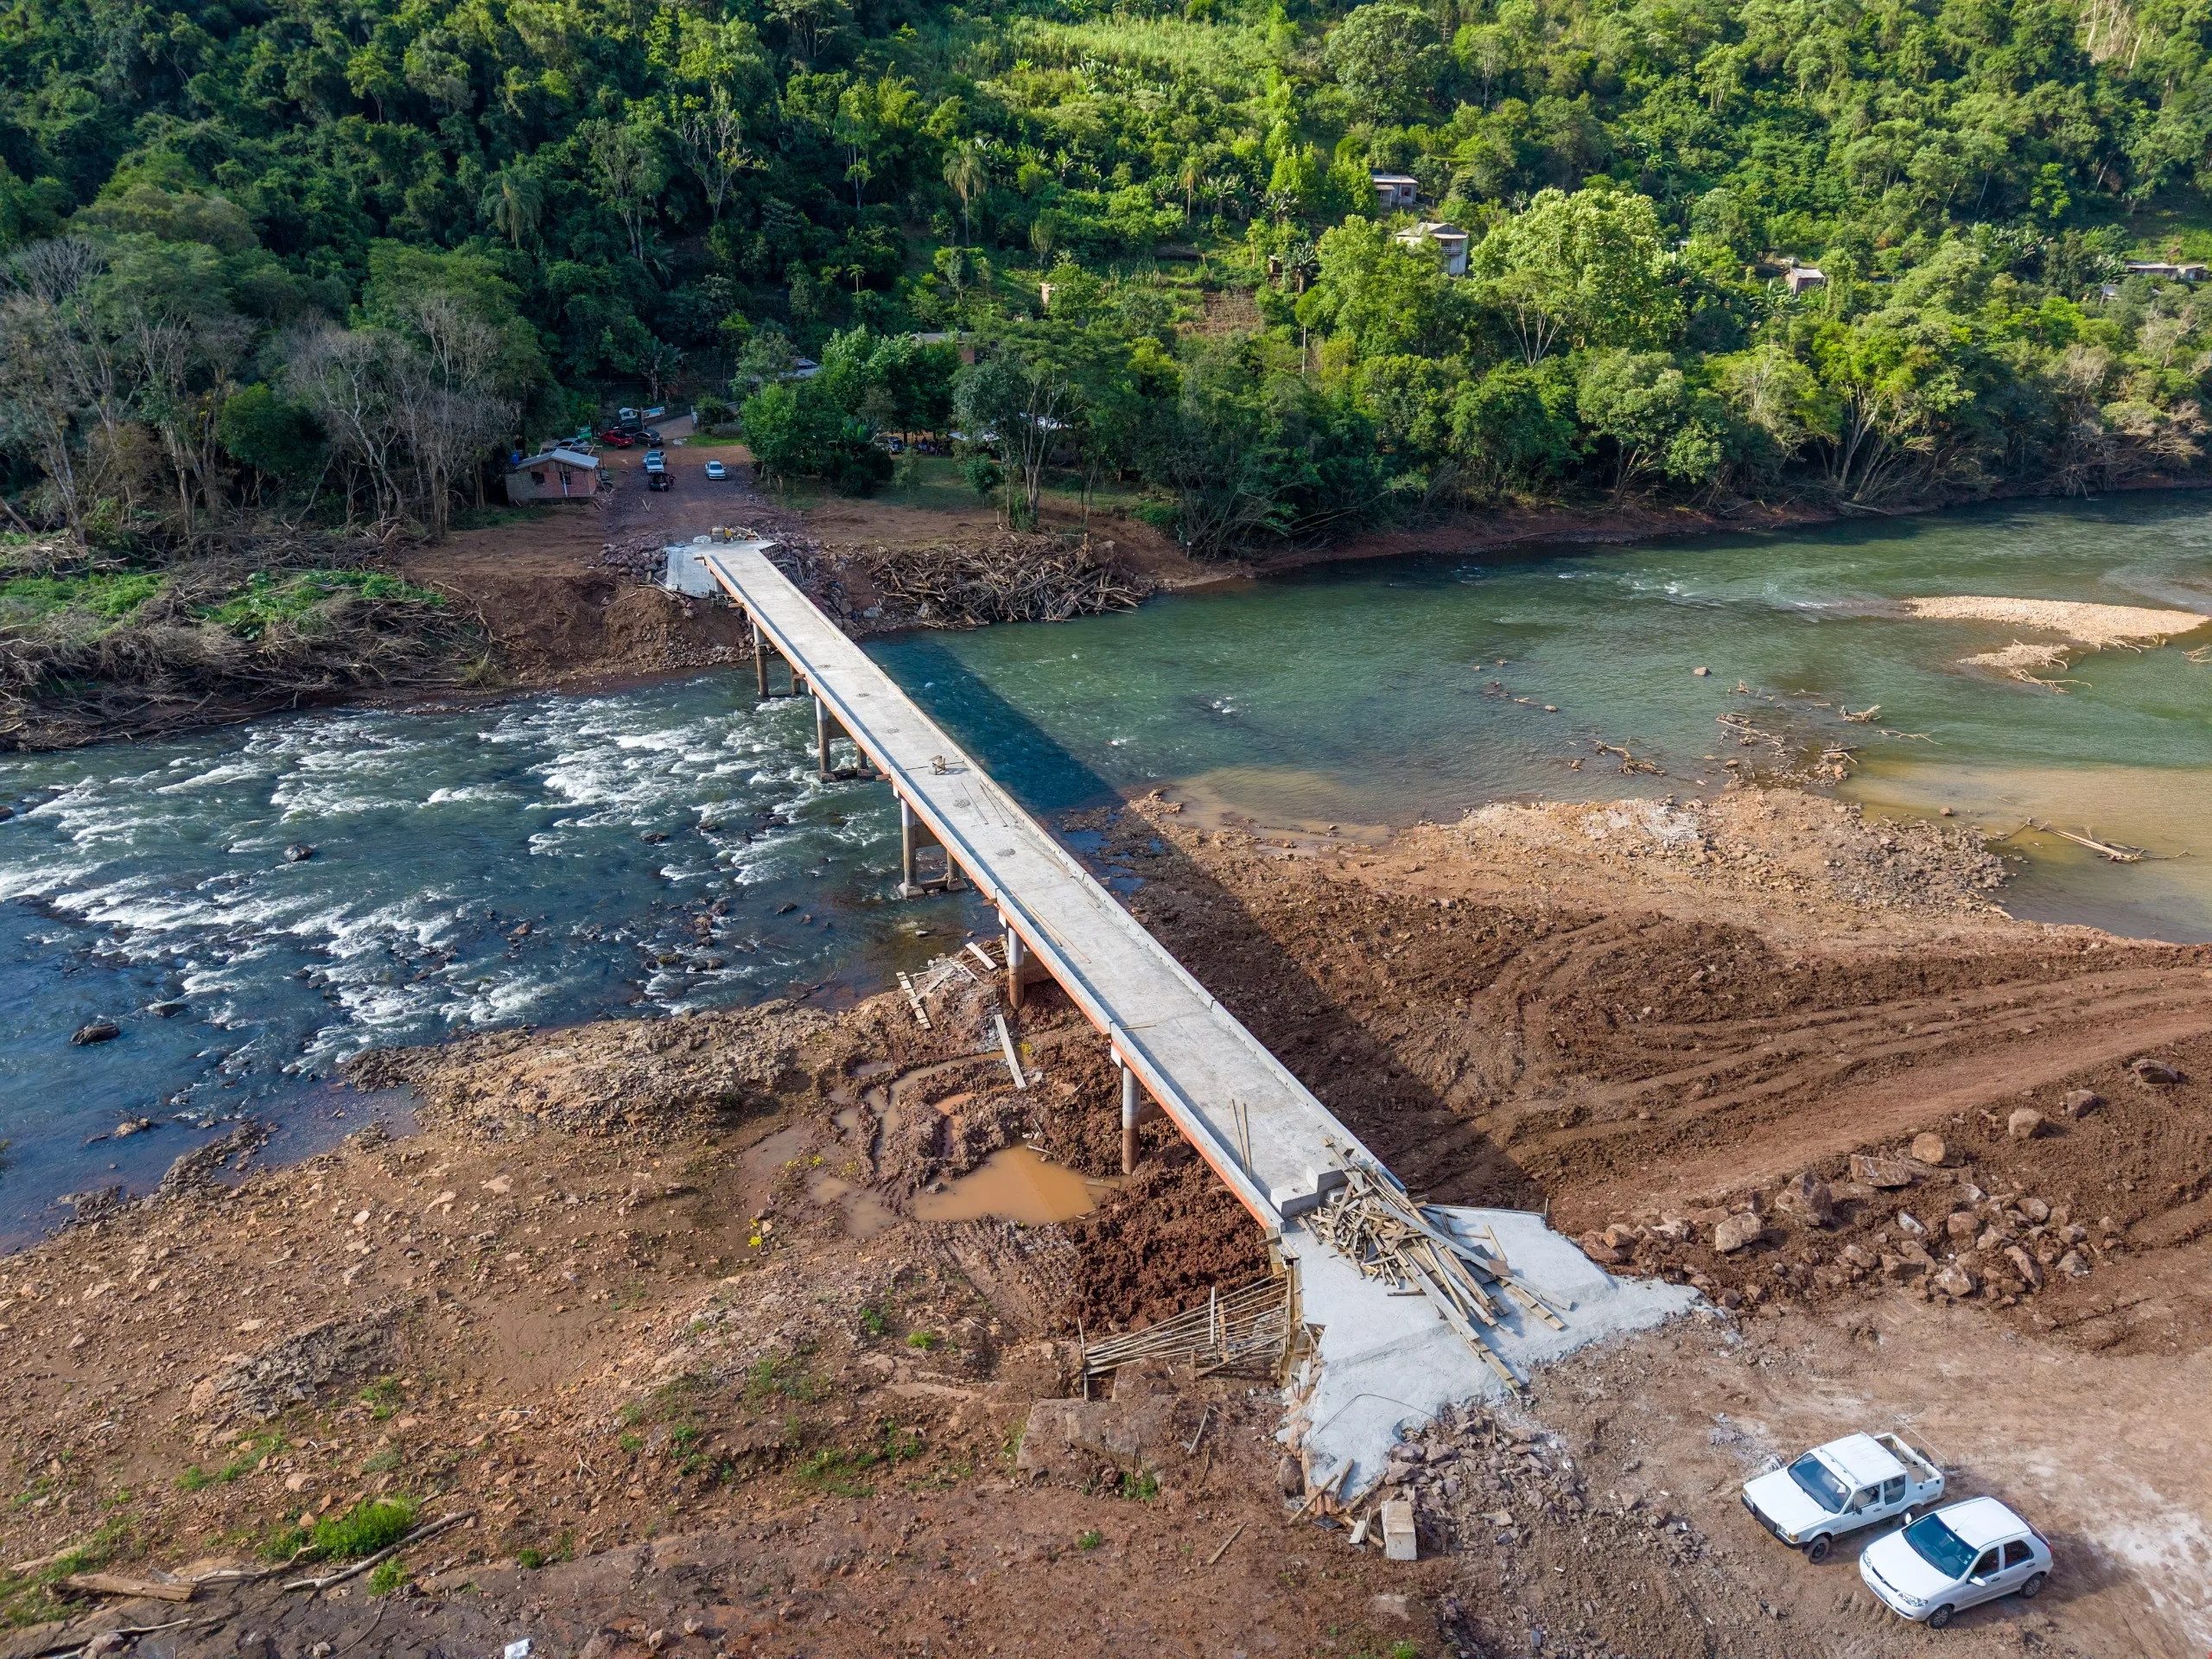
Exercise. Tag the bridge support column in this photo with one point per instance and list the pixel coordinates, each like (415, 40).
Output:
(826, 726)
(913, 836)
(1129, 1098)
(1017, 959)
(759, 660)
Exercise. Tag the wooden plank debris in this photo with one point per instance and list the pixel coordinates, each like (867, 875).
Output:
(1005, 1048)
(113, 1584)
(921, 1016)
(1386, 1236)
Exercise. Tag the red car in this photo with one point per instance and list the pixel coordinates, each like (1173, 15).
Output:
(614, 438)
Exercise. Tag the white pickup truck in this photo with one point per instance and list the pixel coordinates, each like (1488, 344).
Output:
(1841, 1487)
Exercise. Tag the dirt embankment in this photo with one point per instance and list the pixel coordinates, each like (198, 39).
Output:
(647, 1294)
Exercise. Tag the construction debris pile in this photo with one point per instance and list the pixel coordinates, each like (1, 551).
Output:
(1388, 1236)
(1008, 579)
(1471, 1476)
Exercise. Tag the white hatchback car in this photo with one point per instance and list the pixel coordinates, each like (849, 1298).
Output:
(716, 471)
(1954, 1559)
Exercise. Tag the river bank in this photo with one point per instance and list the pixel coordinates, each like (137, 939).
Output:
(647, 1299)
(551, 598)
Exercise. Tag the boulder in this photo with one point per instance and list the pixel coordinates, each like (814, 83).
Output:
(1961, 1225)
(298, 853)
(1808, 1196)
(1955, 1281)
(1911, 1223)
(1898, 1268)
(1595, 1245)
(2025, 1124)
(1871, 1170)
(2079, 1102)
(96, 1031)
(2074, 1265)
(1736, 1233)
(1930, 1148)
(2156, 1074)
(1621, 1236)
(2035, 1210)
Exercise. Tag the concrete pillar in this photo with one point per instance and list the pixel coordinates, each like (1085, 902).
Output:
(1017, 958)
(822, 723)
(759, 661)
(909, 831)
(1129, 1117)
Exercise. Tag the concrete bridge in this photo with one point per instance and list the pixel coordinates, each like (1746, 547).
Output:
(1272, 1143)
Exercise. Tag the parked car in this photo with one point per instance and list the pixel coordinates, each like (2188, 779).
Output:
(615, 438)
(656, 460)
(1954, 1559)
(659, 481)
(652, 434)
(716, 471)
(1841, 1487)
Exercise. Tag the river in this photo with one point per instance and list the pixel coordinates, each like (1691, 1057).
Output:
(552, 859)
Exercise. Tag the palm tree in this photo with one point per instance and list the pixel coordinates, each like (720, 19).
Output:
(964, 170)
(514, 202)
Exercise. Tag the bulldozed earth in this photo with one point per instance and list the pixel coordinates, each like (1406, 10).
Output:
(647, 1302)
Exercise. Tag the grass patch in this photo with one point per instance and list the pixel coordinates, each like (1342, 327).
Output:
(781, 1377)
(383, 1397)
(1089, 1539)
(252, 1452)
(387, 1576)
(382, 1463)
(371, 1525)
(837, 1472)
(267, 601)
(28, 601)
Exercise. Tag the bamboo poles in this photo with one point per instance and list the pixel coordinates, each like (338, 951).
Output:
(1245, 1328)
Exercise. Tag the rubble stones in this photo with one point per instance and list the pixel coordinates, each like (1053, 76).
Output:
(2079, 1102)
(1961, 1226)
(1931, 1148)
(2025, 1124)
(2155, 1074)
(2074, 1265)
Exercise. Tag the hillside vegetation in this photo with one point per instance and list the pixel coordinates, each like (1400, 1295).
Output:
(328, 258)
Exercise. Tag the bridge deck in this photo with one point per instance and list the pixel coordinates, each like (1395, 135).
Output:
(1193, 1056)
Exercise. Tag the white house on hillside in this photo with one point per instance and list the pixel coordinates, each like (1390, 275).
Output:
(1450, 239)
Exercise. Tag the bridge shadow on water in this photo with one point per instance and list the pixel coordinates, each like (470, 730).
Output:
(1260, 963)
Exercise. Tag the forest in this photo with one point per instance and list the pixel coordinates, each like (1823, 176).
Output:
(326, 262)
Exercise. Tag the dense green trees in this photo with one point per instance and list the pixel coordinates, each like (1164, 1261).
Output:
(204, 211)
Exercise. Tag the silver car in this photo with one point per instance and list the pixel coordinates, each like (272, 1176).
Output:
(1954, 1559)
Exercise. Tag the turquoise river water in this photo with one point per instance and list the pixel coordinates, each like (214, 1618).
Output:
(552, 858)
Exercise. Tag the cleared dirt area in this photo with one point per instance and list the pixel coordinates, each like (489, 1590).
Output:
(646, 1300)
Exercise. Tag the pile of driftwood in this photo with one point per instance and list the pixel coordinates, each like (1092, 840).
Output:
(70, 676)
(1386, 1236)
(1010, 578)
